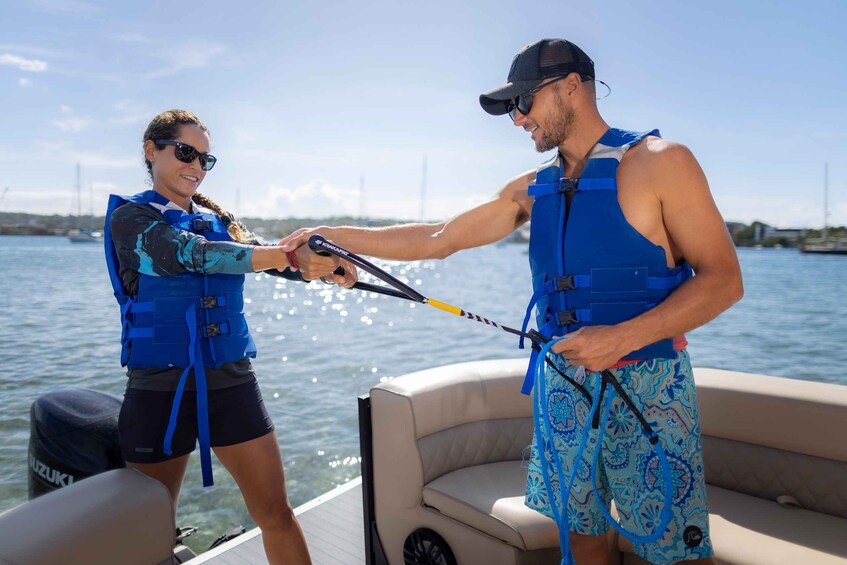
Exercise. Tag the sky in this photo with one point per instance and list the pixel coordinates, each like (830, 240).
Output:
(330, 108)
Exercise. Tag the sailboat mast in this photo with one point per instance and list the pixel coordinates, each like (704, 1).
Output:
(423, 189)
(78, 194)
(362, 196)
(825, 200)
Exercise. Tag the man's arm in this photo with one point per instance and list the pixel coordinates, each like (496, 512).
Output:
(698, 233)
(486, 223)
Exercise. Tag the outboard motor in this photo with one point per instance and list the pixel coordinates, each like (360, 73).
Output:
(73, 435)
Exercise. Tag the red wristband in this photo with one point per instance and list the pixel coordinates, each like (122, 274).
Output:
(292, 260)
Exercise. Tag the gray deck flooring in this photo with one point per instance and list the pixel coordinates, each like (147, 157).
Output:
(333, 525)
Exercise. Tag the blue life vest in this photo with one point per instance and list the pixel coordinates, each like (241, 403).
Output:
(189, 320)
(589, 265)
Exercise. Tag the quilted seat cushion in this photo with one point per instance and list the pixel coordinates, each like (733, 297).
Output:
(746, 530)
(490, 498)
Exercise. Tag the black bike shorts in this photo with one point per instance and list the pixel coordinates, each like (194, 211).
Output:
(236, 414)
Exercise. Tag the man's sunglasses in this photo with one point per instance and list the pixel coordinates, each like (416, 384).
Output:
(523, 103)
(187, 154)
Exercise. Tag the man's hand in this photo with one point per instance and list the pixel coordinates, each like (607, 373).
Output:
(594, 347)
(313, 266)
(298, 237)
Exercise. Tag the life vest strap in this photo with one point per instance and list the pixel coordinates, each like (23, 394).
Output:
(133, 333)
(194, 354)
(137, 307)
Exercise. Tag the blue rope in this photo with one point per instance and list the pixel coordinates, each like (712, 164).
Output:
(541, 417)
(667, 486)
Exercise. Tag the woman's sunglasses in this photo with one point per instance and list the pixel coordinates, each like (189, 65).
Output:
(523, 103)
(187, 154)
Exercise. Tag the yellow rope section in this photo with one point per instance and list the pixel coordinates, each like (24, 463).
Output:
(444, 306)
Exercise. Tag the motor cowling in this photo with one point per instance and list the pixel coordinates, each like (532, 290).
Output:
(73, 435)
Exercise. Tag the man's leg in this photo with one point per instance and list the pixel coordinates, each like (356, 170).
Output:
(569, 415)
(589, 550)
(663, 390)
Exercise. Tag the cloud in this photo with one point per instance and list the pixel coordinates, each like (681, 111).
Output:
(101, 161)
(72, 124)
(191, 56)
(316, 199)
(129, 112)
(24, 82)
(133, 37)
(30, 65)
(65, 7)
(60, 150)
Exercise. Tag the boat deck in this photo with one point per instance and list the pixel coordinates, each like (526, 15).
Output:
(333, 524)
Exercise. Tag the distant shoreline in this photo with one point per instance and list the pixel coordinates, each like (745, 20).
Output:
(743, 235)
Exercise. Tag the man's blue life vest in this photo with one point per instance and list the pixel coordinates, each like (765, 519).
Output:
(189, 320)
(589, 265)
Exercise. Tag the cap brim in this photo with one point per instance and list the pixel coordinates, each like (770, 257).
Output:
(496, 102)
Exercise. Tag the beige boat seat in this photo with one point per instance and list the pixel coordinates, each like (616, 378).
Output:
(449, 450)
(119, 516)
(449, 456)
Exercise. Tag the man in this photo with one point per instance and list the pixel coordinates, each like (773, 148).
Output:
(619, 220)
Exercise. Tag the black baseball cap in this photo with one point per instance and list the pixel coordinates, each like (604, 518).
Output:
(546, 58)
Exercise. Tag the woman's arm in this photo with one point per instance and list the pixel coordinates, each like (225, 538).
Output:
(147, 244)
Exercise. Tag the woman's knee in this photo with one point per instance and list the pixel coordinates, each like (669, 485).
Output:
(276, 515)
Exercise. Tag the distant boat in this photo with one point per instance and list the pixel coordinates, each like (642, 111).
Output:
(825, 244)
(830, 246)
(85, 236)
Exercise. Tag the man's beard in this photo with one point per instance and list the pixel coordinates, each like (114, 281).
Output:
(561, 126)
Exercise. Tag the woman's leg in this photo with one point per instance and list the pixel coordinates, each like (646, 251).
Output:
(256, 466)
(169, 473)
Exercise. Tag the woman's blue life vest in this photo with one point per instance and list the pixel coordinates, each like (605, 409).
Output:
(589, 265)
(155, 328)
(189, 320)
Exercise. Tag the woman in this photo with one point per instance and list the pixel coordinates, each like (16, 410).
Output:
(177, 264)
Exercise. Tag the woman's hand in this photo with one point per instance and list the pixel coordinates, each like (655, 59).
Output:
(313, 266)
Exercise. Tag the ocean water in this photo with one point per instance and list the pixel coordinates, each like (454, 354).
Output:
(321, 347)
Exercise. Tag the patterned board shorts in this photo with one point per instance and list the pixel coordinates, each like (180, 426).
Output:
(628, 468)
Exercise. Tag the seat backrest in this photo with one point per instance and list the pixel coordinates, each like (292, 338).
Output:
(120, 516)
(452, 417)
(769, 437)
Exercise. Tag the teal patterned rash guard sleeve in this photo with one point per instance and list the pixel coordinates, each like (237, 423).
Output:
(145, 243)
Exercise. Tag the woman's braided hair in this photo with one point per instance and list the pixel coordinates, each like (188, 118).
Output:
(166, 126)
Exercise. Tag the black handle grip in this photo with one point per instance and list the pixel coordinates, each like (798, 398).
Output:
(319, 245)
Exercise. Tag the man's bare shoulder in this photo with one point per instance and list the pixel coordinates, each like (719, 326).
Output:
(662, 164)
(517, 190)
(658, 152)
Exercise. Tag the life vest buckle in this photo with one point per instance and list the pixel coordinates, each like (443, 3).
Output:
(200, 224)
(566, 317)
(206, 302)
(564, 283)
(568, 185)
(213, 330)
